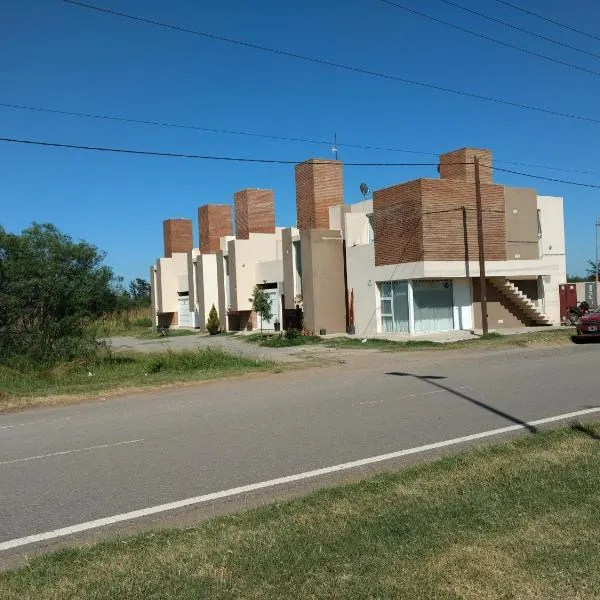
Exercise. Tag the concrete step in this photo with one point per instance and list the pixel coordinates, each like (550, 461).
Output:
(517, 297)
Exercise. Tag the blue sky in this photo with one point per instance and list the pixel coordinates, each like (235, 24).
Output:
(65, 57)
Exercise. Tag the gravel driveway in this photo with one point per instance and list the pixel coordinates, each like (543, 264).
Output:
(227, 343)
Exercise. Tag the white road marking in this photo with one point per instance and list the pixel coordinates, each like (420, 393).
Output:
(244, 489)
(16, 460)
(34, 423)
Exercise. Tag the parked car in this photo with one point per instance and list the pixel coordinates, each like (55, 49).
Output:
(588, 325)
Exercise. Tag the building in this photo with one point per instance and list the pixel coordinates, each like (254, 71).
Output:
(405, 262)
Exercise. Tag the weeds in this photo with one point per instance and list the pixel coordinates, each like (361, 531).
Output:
(106, 370)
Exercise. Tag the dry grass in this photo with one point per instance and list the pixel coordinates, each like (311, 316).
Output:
(517, 520)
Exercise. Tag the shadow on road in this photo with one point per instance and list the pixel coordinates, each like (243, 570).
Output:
(434, 381)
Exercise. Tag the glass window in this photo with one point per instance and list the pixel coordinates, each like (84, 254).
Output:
(297, 267)
(386, 307)
(371, 239)
(394, 306)
(433, 305)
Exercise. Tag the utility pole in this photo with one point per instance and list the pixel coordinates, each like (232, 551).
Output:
(482, 280)
(596, 291)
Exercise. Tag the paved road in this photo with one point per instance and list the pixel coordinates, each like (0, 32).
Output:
(69, 465)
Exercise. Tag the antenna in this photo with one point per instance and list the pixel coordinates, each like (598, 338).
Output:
(334, 147)
(364, 190)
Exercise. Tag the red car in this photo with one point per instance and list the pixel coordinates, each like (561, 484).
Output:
(588, 325)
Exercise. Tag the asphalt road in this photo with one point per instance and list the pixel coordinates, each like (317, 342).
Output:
(64, 466)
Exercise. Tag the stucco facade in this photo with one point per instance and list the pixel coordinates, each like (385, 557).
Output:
(405, 261)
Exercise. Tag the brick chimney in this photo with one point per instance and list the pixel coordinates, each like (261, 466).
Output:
(319, 185)
(254, 212)
(466, 172)
(177, 236)
(214, 222)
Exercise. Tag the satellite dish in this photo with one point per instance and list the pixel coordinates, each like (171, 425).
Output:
(364, 189)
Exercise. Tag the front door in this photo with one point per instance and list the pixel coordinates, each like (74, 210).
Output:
(270, 323)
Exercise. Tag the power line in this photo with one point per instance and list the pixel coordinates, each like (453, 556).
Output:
(270, 137)
(336, 65)
(489, 38)
(547, 19)
(521, 29)
(208, 157)
(578, 183)
(207, 129)
(271, 161)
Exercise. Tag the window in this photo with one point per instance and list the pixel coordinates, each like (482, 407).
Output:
(371, 235)
(433, 305)
(394, 306)
(539, 223)
(297, 268)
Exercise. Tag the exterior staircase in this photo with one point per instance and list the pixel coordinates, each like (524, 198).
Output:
(520, 301)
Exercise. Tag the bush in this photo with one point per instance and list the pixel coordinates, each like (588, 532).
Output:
(213, 325)
(203, 359)
(50, 288)
(143, 322)
(292, 334)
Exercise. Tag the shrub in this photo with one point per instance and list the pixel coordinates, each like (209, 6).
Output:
(292, 334)
(213, 325)
(143, 322)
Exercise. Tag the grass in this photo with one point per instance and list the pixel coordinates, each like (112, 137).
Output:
(125, 322)
(279, 340)
(551, 337)
(517, 520)
(121, 371)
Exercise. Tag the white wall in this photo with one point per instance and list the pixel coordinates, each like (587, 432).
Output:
(173, 276)
(269, 271)
(553, 225)
(207, 288)
(244, 255)
(463, 304)
(357, 229)
(192, 278)
(360, 269)
(552, 252)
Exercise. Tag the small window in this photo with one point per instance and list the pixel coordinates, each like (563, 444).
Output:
(539, 224)
(371, 234)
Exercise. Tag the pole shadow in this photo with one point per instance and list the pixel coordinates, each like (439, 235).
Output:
(581, 428)
(434, 381)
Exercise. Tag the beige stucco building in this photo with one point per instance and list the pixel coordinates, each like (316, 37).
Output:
(404, 262)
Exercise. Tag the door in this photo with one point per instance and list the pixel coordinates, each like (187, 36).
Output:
(274, 298)
(184, 315)
(568, 297)
(433, 306)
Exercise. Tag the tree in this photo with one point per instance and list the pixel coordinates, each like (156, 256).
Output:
(591, 270)
(261, 304)
(139, 292)
(50, 287)
(213, 325)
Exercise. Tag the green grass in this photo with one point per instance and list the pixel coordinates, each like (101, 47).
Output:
(518, 520)
(122, 370)
(277, 340)
(549, 337)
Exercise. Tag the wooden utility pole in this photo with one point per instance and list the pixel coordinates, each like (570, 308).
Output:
(482, 280)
